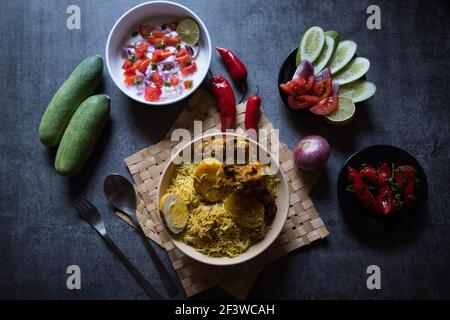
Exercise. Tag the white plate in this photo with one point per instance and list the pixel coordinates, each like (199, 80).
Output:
(278, 222)
(155, 13)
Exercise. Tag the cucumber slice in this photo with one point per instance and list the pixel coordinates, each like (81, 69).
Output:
(325, 56)
(358, 90)
(343, 54)
(335, 35)
(311, 45)
(354, 70)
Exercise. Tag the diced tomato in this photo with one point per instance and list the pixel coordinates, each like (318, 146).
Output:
(184, 60)
(126, 64)
(328, 88)
(171, 41)
(326, 106)
(145, 31)
(173, 25)
(189, 69)
(152, 93)
(141, 50)
(158, 34)
(130, 80)
(155, 41)
(294, 87)
(143, 64)
(188, 84)
(157, 79)
(295, 104)
(318, 88)
(181, 53)
(130, 71)
(160, 55)
(174, 80)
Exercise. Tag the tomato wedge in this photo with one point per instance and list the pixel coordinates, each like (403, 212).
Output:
(152, 93)
(310, 100)
(294, 87)
(309, 84)
(318, 88)
(126, 64)
(328, 88)
(326, 106)
(143, 64)
(295, 104)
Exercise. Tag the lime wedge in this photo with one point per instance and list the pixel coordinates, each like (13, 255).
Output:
(344, 113)
(188, 31)
(358, 90)
(354, 70)
(343, 54)
(333, 34)
(325, 56)
(311, 45)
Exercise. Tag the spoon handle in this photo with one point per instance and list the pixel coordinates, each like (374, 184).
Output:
(166, 279)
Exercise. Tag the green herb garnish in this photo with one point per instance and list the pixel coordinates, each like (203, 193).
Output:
(154, 65)
(167, 84)
(135, 33)
(132, 57)
(137, 81)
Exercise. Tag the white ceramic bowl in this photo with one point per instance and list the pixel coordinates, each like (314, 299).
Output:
(278, 222)
(155, 13)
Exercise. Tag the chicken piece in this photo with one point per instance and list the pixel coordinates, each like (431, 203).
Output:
(247, 178)
(217, 148)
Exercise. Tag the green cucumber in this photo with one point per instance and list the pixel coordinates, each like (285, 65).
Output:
(80, 85)
(81, 135)
(355, 69)
(342, 55)
(325, 55)
(358, 90)
(335, 35)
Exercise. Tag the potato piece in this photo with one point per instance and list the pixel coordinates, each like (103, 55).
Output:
(246, 210)
(209, 180)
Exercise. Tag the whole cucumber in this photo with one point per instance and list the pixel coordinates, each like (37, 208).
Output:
(80, 85)
(81, 135)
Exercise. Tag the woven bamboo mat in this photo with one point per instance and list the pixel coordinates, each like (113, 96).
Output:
(302, 227)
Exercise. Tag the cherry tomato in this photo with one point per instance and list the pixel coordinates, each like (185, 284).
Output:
(326, 106)
(174, 80)
(145, 31)
(189, 69)
(157, 79)
(126, 64)
(188, 84)
(171, 41)
(152, 93)
(294, 87)
(295, 104)
(130, 80)
(160, 55)
(143, 64)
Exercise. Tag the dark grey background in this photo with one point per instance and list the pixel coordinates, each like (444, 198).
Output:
(40, 234)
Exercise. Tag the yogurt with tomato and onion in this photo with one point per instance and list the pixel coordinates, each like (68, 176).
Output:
(157, 64)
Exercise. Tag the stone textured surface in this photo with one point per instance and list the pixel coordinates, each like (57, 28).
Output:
(40, 234)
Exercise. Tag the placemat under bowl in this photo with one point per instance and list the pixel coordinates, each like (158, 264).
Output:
(302, 227)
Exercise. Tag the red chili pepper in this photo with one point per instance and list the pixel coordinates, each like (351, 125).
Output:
(384, 174)
(362, 191)
(369, 174)
(235, 67)
(252, 113)
(405, 177)
(223, 92)
(385, 199)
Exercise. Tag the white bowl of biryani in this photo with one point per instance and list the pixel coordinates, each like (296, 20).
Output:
(217, 212)
(158, 52)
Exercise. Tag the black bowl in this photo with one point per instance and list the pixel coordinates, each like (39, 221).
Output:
(286, 73)
(355, 214)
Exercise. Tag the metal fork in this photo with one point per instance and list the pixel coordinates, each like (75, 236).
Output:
(91, 215)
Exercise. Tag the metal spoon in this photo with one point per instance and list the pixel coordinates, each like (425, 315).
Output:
(121, 195)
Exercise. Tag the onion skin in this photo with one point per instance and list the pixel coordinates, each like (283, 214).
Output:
(312, 153)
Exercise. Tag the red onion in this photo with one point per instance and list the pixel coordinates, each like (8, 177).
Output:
(304, 70)
(311, 153)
